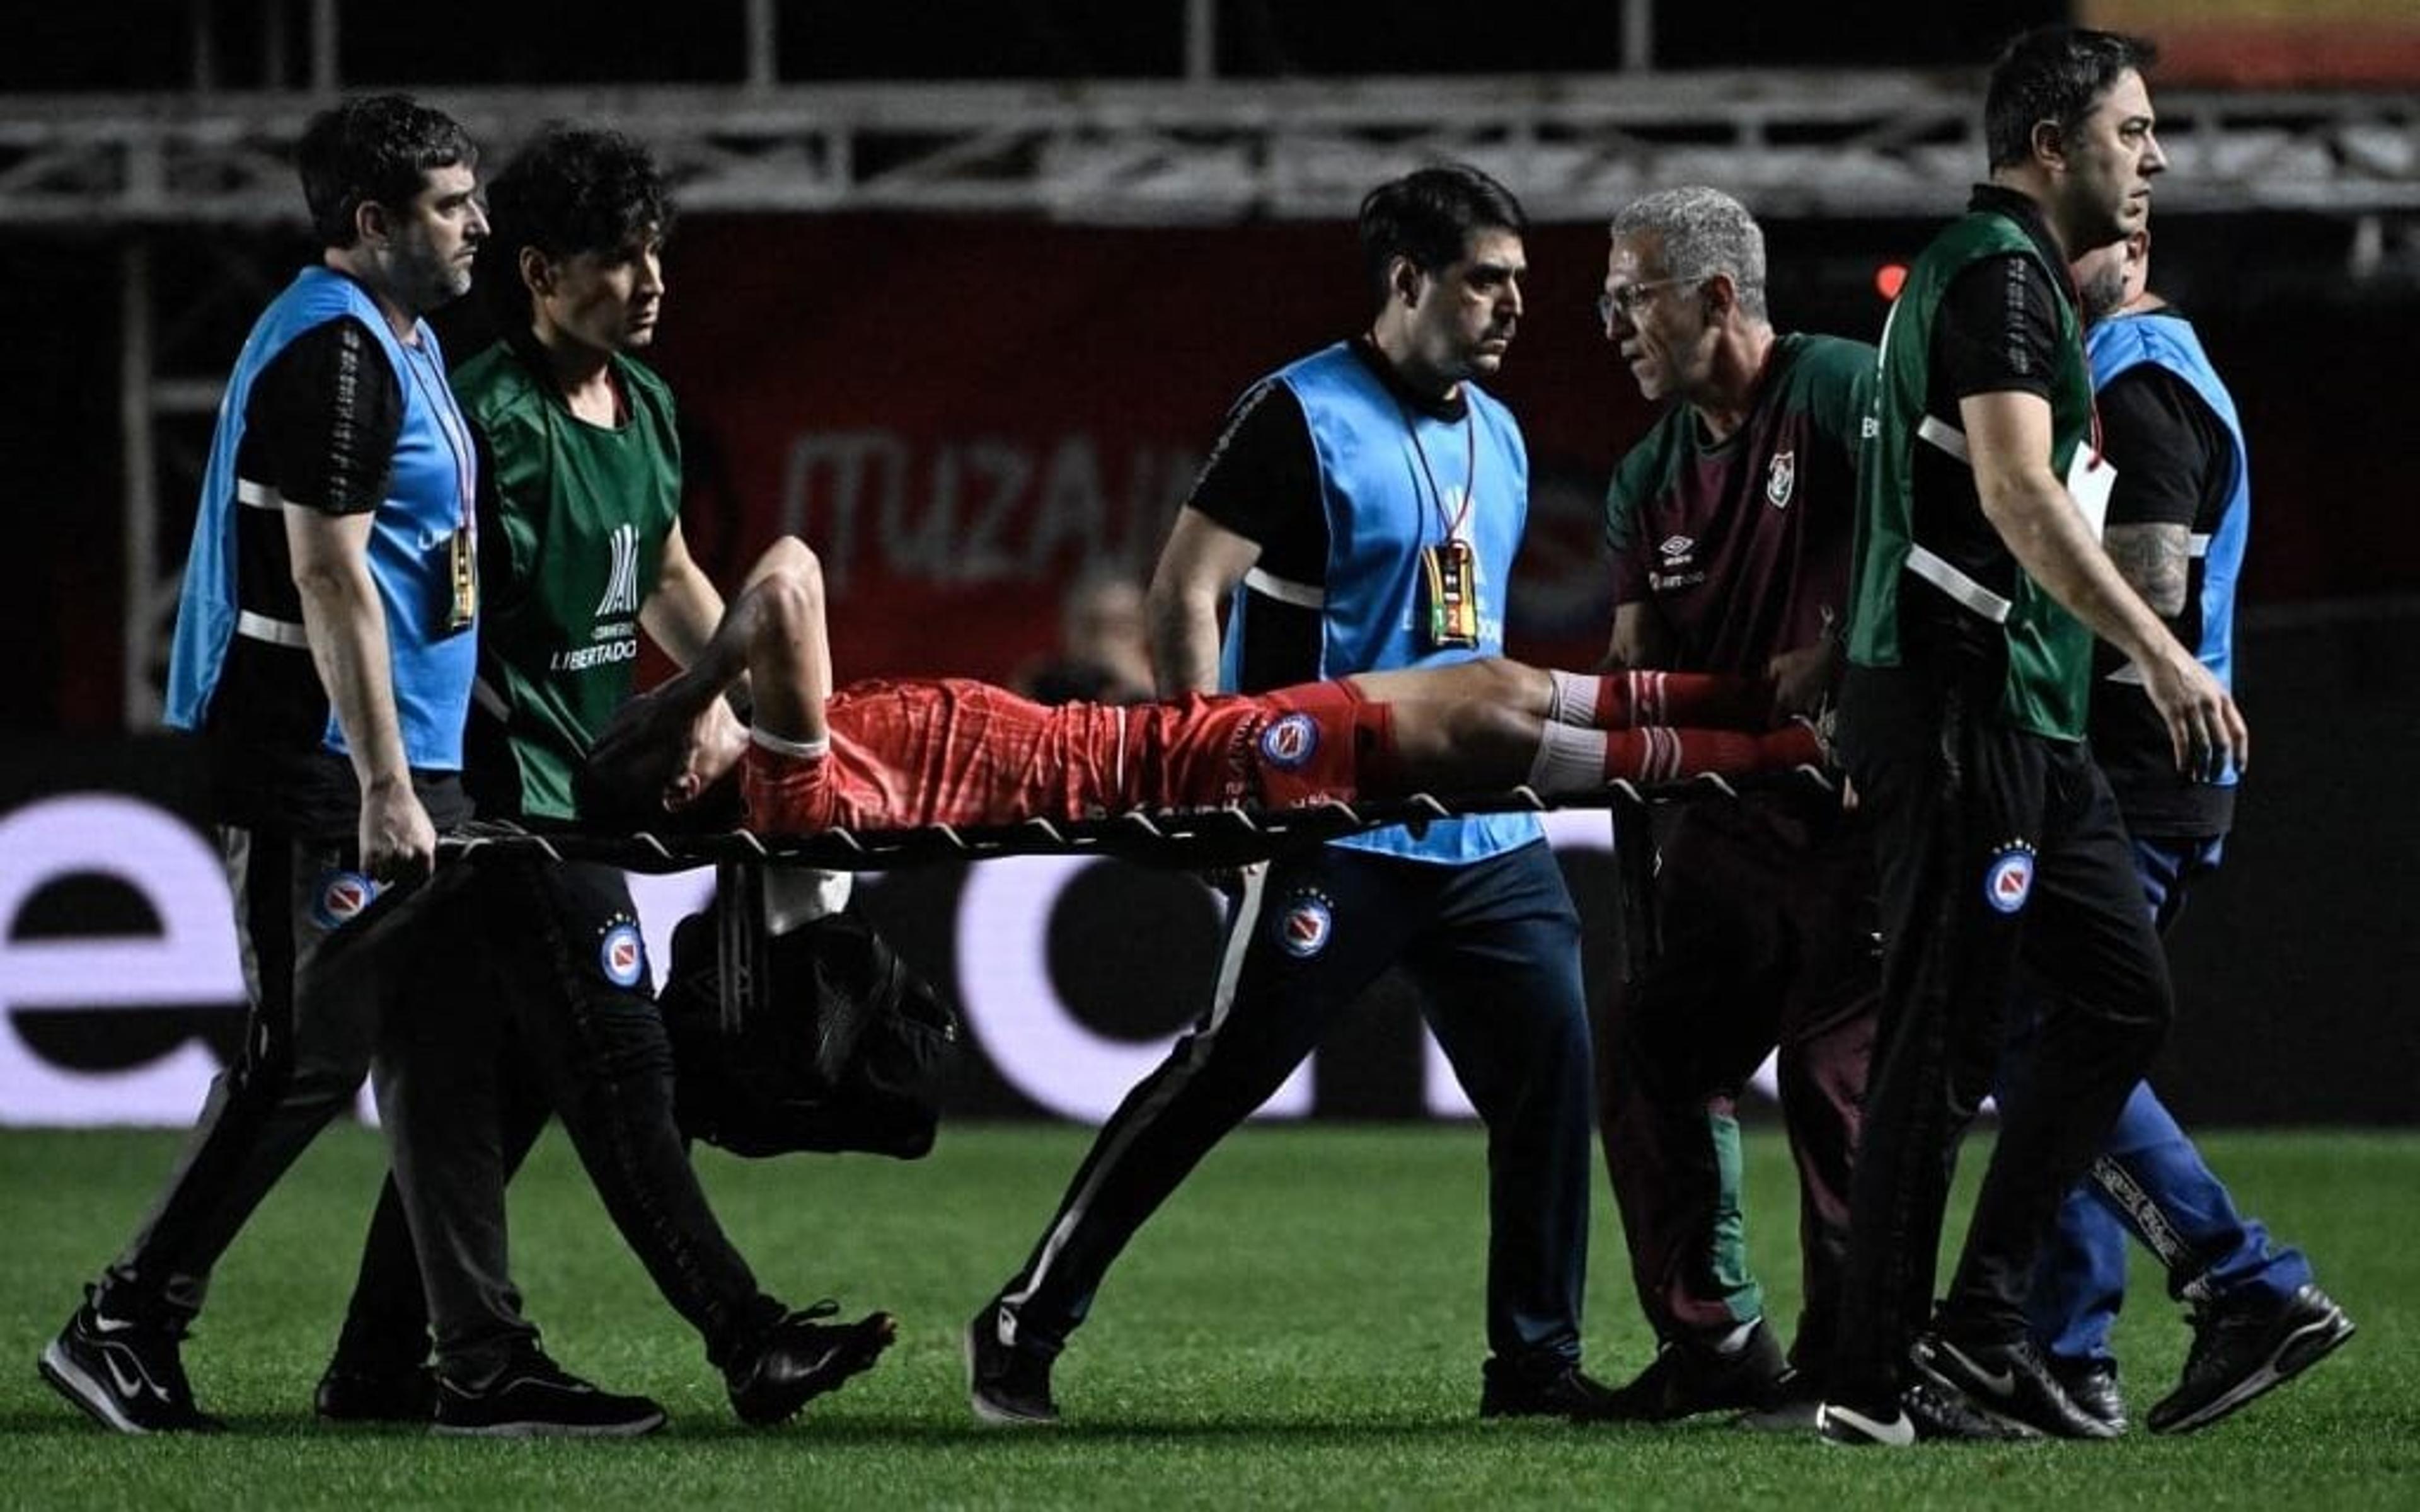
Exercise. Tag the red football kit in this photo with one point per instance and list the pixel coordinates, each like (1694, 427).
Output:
(909, 754)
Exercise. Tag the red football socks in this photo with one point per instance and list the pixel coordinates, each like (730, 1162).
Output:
(1577, 761)
(1707, 700)
(1697, 701)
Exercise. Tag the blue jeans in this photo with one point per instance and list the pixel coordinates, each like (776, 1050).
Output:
(2151, 1182)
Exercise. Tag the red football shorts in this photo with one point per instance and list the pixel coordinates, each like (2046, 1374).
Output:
(905, 755)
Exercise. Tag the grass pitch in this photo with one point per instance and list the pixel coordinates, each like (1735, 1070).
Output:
(1299, 1328)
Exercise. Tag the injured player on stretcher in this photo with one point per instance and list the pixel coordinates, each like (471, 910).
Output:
(905, 754)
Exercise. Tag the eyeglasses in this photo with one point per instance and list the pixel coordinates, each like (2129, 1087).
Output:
(1629, 297)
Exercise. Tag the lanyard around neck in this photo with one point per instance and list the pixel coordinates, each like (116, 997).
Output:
(449, 421)
(1452, 523)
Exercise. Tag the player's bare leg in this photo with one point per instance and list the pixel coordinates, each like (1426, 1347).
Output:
(1496, 680)
(781, 639)
(682, 736)
(1609, 700)
(1466, 747)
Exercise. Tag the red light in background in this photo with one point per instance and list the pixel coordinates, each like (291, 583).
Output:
(1889, 278)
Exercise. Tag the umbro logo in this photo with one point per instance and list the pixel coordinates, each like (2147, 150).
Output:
(1676, 548)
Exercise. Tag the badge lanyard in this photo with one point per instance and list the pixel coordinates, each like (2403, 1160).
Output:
(1449, 567)
(462, 557)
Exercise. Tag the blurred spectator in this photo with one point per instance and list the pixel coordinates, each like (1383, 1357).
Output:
(1101, 657)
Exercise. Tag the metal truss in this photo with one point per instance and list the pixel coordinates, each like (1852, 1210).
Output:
(1572, 145)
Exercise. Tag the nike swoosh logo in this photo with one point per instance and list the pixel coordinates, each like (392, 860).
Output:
(1897, 1434)
(135, 1385)
(2001, 1383)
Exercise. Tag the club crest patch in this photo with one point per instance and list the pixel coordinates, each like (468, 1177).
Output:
(1290, 741)
(1306, 924)
(2009, 880)
(340, 897)
(1781, 479)
(622, 956)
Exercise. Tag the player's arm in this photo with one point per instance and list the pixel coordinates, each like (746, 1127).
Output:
(2008, 439)
(346, 624)
(1201, 564)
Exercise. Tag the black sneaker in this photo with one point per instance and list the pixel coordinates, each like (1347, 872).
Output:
(2092, 1385)
(129, 1375)
(346, 1395)
(2006, 1380)
(534, 1397)
(801, 1358)
(1797, 1409)
(1685, 1379)
(2240, 1352)
(1559, 1389)
(1942, 1415)
(1006, 1386)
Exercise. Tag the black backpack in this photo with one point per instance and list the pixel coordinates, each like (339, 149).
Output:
(841, 1049)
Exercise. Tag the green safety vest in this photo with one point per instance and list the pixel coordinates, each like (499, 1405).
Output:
(574, 547)
(2048, 651)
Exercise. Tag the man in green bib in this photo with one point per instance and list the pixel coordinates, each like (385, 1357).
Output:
(1978, 587)
(581, 550)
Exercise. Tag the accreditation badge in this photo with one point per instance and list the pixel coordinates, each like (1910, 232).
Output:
(462, 560)
(1451, 570)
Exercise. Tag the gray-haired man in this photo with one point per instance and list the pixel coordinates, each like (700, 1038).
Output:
(1729, 526)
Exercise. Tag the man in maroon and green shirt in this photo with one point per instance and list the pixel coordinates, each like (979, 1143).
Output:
(1729, 525)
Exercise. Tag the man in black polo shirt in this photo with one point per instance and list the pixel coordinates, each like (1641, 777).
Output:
(1980, 585)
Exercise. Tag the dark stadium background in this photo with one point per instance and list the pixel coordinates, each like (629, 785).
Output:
(2294, 966)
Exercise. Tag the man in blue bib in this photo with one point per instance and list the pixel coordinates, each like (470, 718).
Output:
(2180, 515)
(324, 654)
(1362, 510)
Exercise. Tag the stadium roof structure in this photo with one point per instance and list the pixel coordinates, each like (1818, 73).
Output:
(1178, 151)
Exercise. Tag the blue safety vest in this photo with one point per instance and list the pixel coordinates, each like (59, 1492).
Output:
(2116, 344)
(433, 472)
(1391, 480)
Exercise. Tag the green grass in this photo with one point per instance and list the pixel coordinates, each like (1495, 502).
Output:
(1300, 1327)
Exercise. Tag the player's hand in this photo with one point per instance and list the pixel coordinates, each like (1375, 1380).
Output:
(712, 744)
(673, 742)
(2205, 731)
(1802, 679)
(397, 841)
